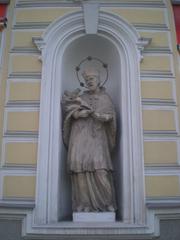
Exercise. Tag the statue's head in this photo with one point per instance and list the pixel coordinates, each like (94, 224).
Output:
(91, 78)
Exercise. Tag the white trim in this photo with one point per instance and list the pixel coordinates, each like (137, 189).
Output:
(53, 44)
(91, 11)
(56, 3)
(162, 170)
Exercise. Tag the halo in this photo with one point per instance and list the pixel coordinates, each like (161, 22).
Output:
(90, 59)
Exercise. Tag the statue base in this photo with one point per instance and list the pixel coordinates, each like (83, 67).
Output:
(93, 217)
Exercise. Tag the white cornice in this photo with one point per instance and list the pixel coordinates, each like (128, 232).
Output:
(78, 3)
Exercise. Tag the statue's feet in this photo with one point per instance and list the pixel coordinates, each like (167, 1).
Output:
(86, 209)
(83, 209)
(79, 209)
(110, 208)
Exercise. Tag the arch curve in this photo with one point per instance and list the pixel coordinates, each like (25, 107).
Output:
(53, 44)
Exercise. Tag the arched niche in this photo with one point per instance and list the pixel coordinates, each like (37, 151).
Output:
(63, 45)
(76, 51)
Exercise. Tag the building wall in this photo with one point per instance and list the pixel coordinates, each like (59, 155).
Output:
(20, 95)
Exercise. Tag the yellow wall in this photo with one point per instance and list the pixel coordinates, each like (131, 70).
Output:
(135, 15)
(4, 70)
(42, 15)
(20, 153)
(27, 91)
(158, 120)
(25, 63)
(19, 187)
(158, 39)
(156, 63)
(160, 152)
(22, 121)
(162, 186)
(156, 152)
(157, 89)
(24, 39)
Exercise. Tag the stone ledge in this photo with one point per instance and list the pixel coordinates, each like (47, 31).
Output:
(93, 217)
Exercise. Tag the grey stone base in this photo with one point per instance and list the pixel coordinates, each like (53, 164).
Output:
(93, 217)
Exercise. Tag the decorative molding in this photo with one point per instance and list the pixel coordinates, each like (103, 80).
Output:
(22, 204)
(160, 78)
(47, 3)
(53, 43)
(157, 74)
(142, 43)
(33, 26)
(19, 167)
(161, 170)
(23, 104)
(167, 133)
(91, 11)
(168, 108)
(157, 27)
(8, 171)
(158, 102)
(29, 75)
(21, 200)
(156, 50)
(155, 214)
(163, 203)
(18, 134)
(161, 138)
(43, 25)
(24, 50)
(73, 3)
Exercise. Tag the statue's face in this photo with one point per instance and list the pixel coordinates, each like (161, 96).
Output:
(92, 82)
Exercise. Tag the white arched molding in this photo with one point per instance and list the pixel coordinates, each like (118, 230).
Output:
(52, 46)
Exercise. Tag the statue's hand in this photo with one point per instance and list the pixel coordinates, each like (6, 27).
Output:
(102, 117)
(82, 114)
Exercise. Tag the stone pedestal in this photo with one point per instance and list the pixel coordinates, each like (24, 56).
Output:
(93, 217)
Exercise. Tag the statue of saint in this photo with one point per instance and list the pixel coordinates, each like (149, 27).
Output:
(89, 132)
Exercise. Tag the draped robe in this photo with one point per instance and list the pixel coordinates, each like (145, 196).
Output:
(90, 141)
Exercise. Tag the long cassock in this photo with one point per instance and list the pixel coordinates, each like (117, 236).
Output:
(90, 142)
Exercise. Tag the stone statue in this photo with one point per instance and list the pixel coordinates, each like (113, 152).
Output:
(89, 132)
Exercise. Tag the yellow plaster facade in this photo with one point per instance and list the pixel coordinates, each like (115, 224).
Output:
(156, 63)
(158, 39)
(25, 63)
(160, 153)
(20, 153)
(135, 15)
(157, 89)
(19, 187)
(22, 121)
(23, 153)
(42, 15)
(24, 91)
(159, 120)
(24, 38)
(162, 186)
